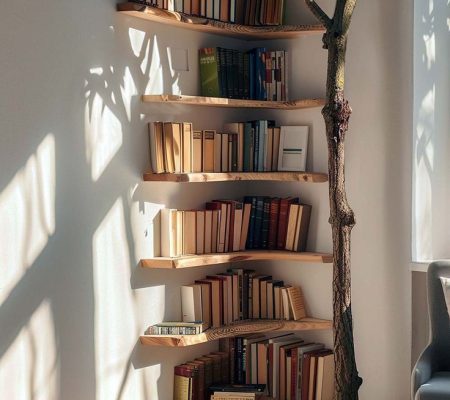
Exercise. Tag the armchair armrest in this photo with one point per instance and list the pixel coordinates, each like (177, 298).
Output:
(423, 370)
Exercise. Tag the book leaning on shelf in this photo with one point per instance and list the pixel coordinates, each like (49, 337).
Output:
(223, 226)
(250, 12)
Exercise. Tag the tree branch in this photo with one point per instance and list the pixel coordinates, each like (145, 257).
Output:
(343, 15)
(319, 13)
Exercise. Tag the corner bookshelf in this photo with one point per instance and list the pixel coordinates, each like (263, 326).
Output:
(236, 329)
(240, 256)
(243, 32)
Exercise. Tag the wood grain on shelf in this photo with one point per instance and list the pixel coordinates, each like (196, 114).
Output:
(236, 329)
(222, 258)
(232, 103)
(315, 177)
(217, 27)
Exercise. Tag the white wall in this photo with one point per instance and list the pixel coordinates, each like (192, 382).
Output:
(76, 218)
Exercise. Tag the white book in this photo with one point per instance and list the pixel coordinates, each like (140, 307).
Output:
(191, 303)
(216, 9)
(168, 232)
(293, 148)
(171, 5)
(209, 9)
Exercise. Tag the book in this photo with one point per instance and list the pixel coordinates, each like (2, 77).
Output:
(176, 328)
(301, 235)
(206, 303)
(169, 160)
(200, 232)
(283, 351)
(156, 147)
(183, 385)
(225, 150)
(296, 302)
(197, 153)
(187, 145)
(325, 377)
(247, 208)
(208, 151)
(291, 226)
(191, 303)
(293, 148)
(189, 237)
(209, 76)
(169, 233)
(207, 234)
(177, 147)
(215, 296)
(217, 152)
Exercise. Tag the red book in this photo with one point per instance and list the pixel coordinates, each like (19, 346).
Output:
(273, 223)
(294, 373)
(283, 217)
(192, 372)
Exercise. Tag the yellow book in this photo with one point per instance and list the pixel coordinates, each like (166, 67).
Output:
(208, 150)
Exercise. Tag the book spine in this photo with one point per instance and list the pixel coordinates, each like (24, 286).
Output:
(258, 222)
(265, 224)
(209, 72)
(251, 228)
(273, 224)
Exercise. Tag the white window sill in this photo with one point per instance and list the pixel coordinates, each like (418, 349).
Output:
(419, 266)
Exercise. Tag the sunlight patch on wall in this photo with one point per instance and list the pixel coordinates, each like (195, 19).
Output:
(27, 215)
(30, 367)
(430, 49)
(145, 224)
(115, 324)
(136, 40)
(422, 185)
(103, 135)
(156, 80)
(128, 90)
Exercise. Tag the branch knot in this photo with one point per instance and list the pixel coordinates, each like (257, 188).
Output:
(337, 114)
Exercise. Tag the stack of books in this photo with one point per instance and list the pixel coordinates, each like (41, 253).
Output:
(257, 74)
(253, 146)
(240, 294)
(257, 222)
(290, 367)
(244, 12)
(176, 328)
(237, 392)
(193, 378)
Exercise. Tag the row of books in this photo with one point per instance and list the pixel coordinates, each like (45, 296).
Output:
(193, 379)
(284, 367)
(258, 74)
(291, 368)
(257, 222)
(240, 294)
(244, 12)
(176, 328)
(253, 146)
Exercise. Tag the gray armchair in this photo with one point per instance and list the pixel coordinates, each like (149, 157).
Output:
(431, 375)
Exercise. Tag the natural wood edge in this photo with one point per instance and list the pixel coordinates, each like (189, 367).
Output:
(232, 103)
(312, 177)
(236, 329)
(222, 258)
(155, 14)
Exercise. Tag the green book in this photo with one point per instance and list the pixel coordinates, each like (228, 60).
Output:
(209, 72)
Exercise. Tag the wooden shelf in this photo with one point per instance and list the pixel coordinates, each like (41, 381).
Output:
(236, 329)
(232, 103)
(315, 177)
(216, 27)
(222, 258)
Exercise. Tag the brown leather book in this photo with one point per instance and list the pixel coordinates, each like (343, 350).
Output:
(208, 370)
(283, 221)
(225, 10)
(282, 368)
(200, 367)
(195, 7)
(296, 302)
(225, 365)
(273, 223)
(224, 302)
(216, 367)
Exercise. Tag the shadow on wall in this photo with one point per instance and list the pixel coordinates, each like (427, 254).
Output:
(431, 188)
(68, 324)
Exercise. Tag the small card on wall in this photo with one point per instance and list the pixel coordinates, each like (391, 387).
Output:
(293, 148)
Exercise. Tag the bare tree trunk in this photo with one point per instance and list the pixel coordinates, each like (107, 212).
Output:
(336, 114)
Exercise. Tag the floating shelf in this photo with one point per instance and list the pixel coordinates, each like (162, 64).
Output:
(219, 28)
(236, 329)
(222, 258)
(315, 177)
(232, 103)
